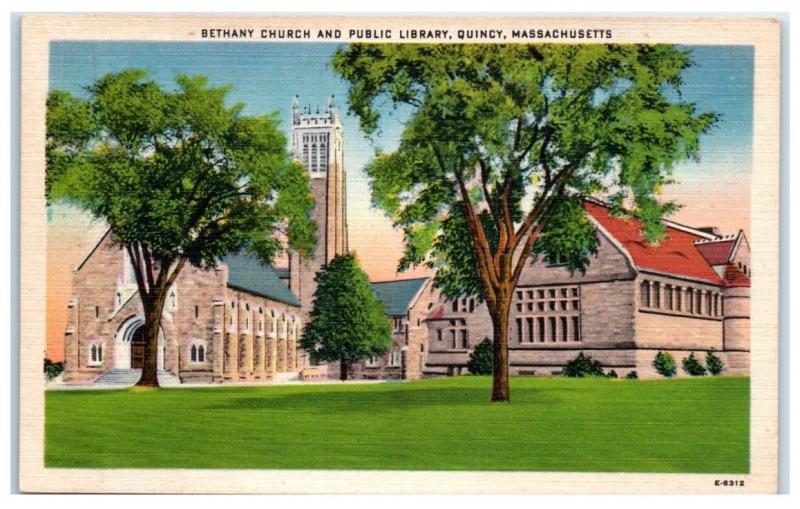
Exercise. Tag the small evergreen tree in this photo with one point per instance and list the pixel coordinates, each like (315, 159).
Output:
(347, 321)
(612, 374)
(692, 366)
(582, 366)
(714, 364)
(481, 359)
(632, 375)
(664, 364)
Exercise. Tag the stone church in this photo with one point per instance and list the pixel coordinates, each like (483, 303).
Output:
(242, 321)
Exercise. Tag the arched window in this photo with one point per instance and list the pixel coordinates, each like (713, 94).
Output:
(96, 354)
(201, 353)
(193, 353)
(273, 325)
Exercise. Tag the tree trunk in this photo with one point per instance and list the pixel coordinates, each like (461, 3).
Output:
(500, 390)
(343, 369)
(152, 325)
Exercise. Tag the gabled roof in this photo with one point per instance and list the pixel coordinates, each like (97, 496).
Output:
(398, 296)
(716, 252)
(247, 273)
(676, 254)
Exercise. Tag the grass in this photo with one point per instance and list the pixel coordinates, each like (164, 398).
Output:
(552, 424)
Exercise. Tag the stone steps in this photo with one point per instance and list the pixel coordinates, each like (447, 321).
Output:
(119, 378)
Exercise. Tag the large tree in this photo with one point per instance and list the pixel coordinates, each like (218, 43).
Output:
(503, 143)
(347, 321)
(179, 176)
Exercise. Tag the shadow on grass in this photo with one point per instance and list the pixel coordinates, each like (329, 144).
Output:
(376, 400)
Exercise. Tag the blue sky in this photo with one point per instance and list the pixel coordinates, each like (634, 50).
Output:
(266, 76)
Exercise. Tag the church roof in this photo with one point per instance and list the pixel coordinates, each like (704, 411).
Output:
(247, 273)
(676, 254)
(398, 295)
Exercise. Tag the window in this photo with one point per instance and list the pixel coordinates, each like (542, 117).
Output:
(438, 334)
(668, 297)
(716, 304)
(519, 330)
(173, 300)
(395, 358)
(471, 305)
(552, 324)
(564, 328)
(540, 324)
(197, 353)
(273, 324)
(656, 295)
(529, 321)
(455, 306)
(690, 300)
(96, 354)
(97, 312)
(644, 294)
(698, 302)
(196, 311)
(118, 300)
(464, 339)
(576, 328)
(678, 298)
(709, 304)
(371, 362)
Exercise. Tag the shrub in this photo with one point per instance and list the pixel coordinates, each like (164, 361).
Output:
(481, 360)
(714, 364)
(632, 375)
(664, 364)
(612, 374)
(692, 366)
(52, 369)
(582, 366)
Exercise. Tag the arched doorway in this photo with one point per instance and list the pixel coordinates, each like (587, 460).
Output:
(129, 345)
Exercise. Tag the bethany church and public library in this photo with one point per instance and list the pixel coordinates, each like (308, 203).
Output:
(242, 321)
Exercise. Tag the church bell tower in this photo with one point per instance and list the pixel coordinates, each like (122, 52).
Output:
(317, 143)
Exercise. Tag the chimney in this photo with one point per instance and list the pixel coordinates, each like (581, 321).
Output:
(713, 230)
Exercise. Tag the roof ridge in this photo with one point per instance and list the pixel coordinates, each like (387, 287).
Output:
(398, 280)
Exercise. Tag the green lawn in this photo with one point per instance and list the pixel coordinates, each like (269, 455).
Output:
(552, 424)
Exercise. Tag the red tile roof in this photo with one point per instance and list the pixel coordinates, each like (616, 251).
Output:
(436, 314)
(733, 276)
(716, 253)
(675, 254)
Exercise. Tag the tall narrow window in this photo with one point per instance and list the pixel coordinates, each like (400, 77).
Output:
(644, 291)
(552, 324)
(438, 334)
(656, 295)
(201, 354)
(519, 330)
(540, 325)
(529, 321)
(455, 306)
(97, 311)
(173, 301)
(197, 311)
(698, 302)
(564, 328)
(464, 339)
(118, 300)
(193, 353)
(668, 297)
(708, 304)
(716, 304)
(453, 338)
(690, 300)
(576, 328)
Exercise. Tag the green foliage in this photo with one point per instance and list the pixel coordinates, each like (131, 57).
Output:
(481, 359)
(179, 172)
(612, 374)
(582, 366)
(632, 375)
(347, 322)
(664, 364)
(692, 366)
(52, 369)
(714, 364)
(521, 126)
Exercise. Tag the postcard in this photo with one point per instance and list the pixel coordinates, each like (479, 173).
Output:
(274, 254)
